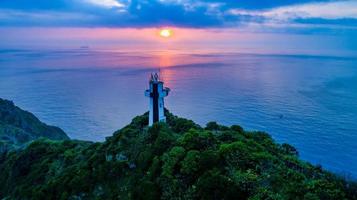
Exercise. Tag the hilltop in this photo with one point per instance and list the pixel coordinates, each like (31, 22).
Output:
(18, 127)
(174, 160)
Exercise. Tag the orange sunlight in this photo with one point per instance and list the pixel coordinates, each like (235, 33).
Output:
(166, 33)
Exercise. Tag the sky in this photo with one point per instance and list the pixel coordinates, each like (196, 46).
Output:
(310, 26)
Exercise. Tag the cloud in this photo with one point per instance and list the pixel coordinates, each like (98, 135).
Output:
(44, 18)
(260, 4)
(107, 3)
(180, 13)
(329, 10)
(317, 15)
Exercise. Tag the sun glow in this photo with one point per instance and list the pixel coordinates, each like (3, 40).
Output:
(166, 33)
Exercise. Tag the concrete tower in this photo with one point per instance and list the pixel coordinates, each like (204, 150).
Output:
(156, 93)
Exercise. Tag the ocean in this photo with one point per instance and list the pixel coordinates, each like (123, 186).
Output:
(304, 100)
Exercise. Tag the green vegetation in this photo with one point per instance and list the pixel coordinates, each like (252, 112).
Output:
(176, 160)
(18, 127)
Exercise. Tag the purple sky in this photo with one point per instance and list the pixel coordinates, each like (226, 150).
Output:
(300, 26)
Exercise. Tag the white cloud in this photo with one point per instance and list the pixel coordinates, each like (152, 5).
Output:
(107, 3)
(326, 10)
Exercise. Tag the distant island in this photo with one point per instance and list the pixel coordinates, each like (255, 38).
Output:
(174, 160)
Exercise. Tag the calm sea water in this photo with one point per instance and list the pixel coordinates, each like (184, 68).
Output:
(307, 101)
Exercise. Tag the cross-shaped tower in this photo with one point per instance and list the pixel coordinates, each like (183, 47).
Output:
(156, 93)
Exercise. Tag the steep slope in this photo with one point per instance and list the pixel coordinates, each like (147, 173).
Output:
(18, 127)
(177, 160)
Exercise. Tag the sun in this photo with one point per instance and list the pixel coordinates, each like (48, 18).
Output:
(166, 33)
